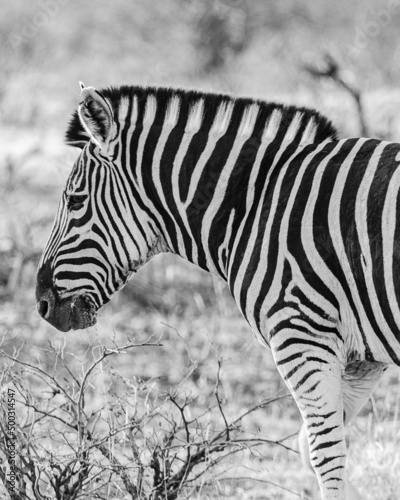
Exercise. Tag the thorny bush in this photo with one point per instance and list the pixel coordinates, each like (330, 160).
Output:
(128, 442)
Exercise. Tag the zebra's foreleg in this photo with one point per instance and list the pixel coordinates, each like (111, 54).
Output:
(358, 381)
(311, 368)
(352, 493)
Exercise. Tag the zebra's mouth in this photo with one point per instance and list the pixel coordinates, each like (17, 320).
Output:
(83, 313)
(67, 313)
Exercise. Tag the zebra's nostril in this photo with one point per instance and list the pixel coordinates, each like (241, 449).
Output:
(43, 308)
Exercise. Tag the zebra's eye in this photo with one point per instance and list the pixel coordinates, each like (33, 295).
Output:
(75, 201)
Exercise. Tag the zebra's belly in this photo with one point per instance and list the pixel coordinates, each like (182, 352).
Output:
(309, 298)
(368, 329)
(288, 309)
(352, 334)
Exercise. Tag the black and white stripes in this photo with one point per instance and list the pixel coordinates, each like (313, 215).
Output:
(302, 226)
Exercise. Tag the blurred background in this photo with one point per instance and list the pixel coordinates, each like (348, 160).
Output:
(339, 57)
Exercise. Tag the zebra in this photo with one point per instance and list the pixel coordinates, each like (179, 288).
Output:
(301, 225)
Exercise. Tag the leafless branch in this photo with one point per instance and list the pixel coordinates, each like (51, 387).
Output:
(330, 69)
(92, 454)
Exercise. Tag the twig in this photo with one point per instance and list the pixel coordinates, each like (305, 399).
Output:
(216, 392)
(332, 70)
(258, 480)
(119, 469)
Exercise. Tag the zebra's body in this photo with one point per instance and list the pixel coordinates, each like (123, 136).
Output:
(302, 226)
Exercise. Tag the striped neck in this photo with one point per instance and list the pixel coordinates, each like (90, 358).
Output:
(200, 161)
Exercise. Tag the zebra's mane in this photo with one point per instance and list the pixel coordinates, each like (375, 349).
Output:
(209, 110)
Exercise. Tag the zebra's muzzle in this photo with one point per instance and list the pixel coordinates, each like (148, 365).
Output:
(73, 312)
(70, 313)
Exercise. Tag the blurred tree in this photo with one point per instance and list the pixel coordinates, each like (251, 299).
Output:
(223, 29)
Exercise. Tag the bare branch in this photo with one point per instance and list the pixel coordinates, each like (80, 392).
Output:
(330, 69)
(216, 392)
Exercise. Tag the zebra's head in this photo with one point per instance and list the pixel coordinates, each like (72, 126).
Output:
(102, 232)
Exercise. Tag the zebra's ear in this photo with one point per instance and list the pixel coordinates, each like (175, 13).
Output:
(96, 115)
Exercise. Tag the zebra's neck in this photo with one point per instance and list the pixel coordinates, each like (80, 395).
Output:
(202, 161)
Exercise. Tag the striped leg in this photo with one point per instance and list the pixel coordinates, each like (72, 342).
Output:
(312, 371)
(358, 381)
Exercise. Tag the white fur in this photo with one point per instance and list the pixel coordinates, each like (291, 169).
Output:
(248, 120)
(151, 108)
(195, 116)
(293, 127)
(272, 126)
(309, 132)
(172, 113)
(222, 118)
(123, 109)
